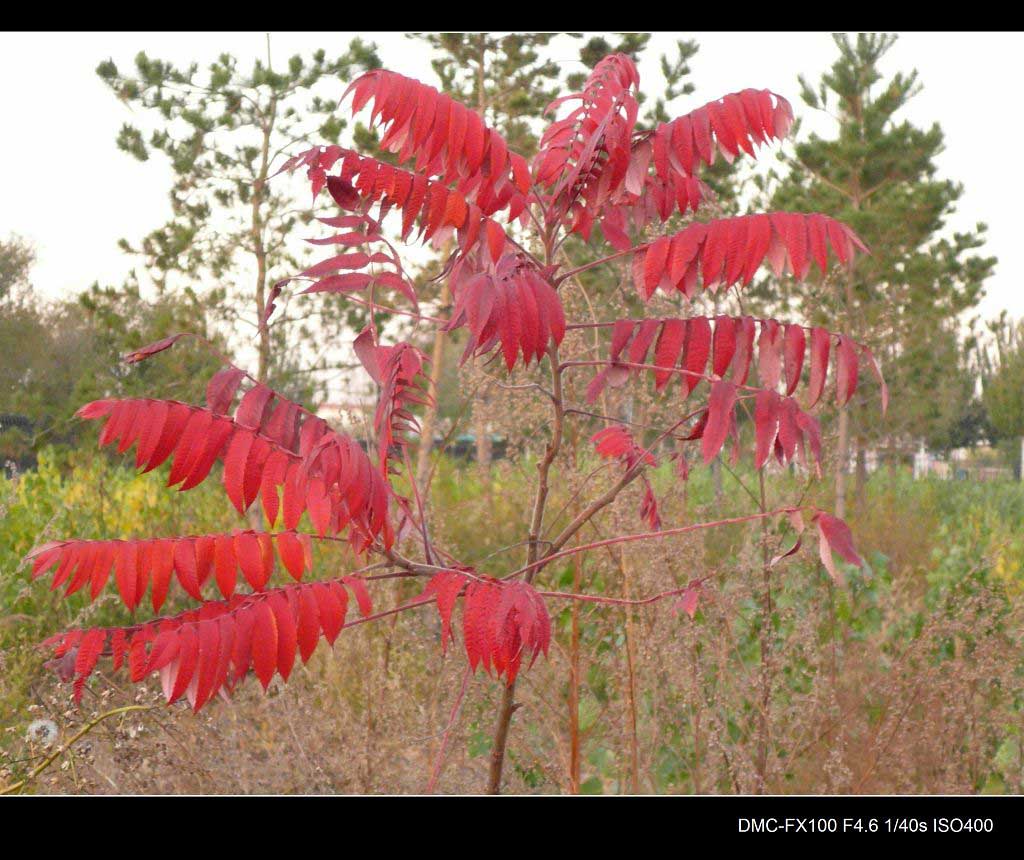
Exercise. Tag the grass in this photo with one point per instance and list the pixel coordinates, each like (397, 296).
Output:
(909, 679)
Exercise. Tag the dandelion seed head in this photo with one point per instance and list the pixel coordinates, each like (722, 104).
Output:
(42, 732)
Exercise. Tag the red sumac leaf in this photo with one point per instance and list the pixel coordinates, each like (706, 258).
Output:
(719, 416)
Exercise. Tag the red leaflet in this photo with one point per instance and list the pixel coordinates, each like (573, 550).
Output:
(720, 406)
(688, 601)
(729, 251)
(192, 560)
(723, 345)
(794, 349)
(617, 443)
(446, 586)
(698, 347)
(86, 658)
(746, 329)
(766, 425)
(501, 622)
(221, 389)
(194, 650)
(144, 352)
(358, 587)
(846, 370)
(821, 343)
(444, 137)
(834, 536)
(649, 506)
(666, 353)
(769, 353)
(331, 475)
(514, 307)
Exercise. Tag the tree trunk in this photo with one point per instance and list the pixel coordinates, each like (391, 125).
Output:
(842, 459)
(430, 412)
(716, 478)
(483, 439)
(861, 479)
(574, 684)
(259, 249)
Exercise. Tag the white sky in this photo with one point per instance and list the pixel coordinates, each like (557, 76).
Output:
(68, 189)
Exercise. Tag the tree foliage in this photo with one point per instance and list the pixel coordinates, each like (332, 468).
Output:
(878, 173)
(221, 129)
(455, 181)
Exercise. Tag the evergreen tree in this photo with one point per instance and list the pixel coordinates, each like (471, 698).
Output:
(222, 131)
(16, 259)
(878, 174)
(1003, 384)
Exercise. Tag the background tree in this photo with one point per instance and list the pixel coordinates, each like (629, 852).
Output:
(222, 130)
(878, 174)
(509, 81)
(16, 259)
(1003, 385)
(59, 352)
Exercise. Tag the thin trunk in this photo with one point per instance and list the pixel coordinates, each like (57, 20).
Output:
(842, 459)
(861, 475)
(430, 412)
(484, 449)
(716, 479)
(508, 705)
(698, 780)
(843, 442)
(574, 684)
(259, 248)
(634, 744)
(765, 641)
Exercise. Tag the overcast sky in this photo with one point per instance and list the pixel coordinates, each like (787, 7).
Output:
(68, 189)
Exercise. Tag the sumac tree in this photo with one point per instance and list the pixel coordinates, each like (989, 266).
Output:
(453, 178)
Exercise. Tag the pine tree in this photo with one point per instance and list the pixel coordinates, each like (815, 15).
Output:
(878, 174)
(16, 259)
(1003, 385)
(222, 130)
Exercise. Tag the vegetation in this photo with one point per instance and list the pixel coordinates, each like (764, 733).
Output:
(878, 174)
(644, 623)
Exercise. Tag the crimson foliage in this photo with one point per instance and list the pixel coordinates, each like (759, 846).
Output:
(505, 218)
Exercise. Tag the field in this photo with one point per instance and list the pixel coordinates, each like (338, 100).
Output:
(908, 679)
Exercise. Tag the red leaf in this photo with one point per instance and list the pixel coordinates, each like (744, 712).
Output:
(264, 643)
(720, 405)
(144, 352)
(821, 342)
(835, 536)
(698, 347)
(846, 370)
(358, 586)
(446, 585)
(724, 344)
(794, 350)
(766, 423)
